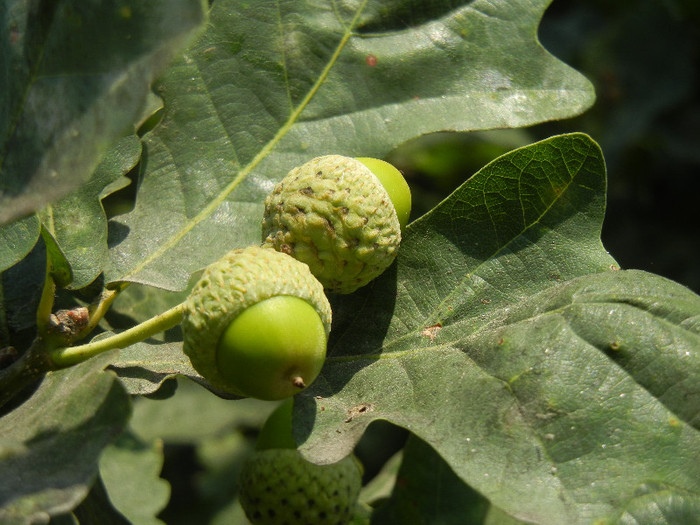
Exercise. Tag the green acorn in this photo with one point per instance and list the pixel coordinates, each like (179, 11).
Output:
(277, 485)
(256, 324)
(337, 215)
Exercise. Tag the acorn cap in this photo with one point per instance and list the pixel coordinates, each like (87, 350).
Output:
(334, 214)
(241, 278)
(280, 486)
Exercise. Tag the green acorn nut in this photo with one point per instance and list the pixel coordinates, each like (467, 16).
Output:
(334, 214)
(280, 486)
(277, 485)
(256, 324)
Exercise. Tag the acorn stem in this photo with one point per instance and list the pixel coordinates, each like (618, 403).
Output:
(48, 292)
(72, 355)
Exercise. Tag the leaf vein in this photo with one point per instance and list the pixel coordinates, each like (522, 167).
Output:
(264, 151)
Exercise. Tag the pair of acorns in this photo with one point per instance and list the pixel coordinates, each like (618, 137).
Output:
(257, 322)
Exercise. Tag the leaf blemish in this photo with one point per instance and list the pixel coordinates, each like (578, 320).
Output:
(358, 410)
(432, 331)
(371, 60)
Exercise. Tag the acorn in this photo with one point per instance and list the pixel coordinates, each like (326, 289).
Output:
(256, 324)
(277, 485)
(339, 215)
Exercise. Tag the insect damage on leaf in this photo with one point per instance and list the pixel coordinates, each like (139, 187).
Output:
(432, 331)
(358, 410)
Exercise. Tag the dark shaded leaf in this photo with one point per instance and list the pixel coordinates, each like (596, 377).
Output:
(81, 409)
(97, 508)
(16, 240)
(427, 492)
(80, 74)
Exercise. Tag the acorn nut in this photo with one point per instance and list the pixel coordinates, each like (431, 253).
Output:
(277, 485)
(256, 324)
(335, 214)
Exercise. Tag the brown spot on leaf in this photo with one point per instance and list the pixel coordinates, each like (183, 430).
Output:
(371, 60)
(358, 410)
(432, 331)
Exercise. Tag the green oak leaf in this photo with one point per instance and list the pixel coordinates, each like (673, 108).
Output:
(506, 338)
(130, 470)
(77, 223)
(145, 366)
(270, 85)
(380, 486)
(74, 229)
(20, 291)
(428, 491)
(17, 239)
(80, 75)
(50, 445)
(661, 504)
(208, 416)
(58, 267)
(95, 508)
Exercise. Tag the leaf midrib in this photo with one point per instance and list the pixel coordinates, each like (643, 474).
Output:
(261, 155)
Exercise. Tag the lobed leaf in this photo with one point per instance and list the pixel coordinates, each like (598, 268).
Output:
(130, 470)
(270, 85)
(78, 224)
(496, 340)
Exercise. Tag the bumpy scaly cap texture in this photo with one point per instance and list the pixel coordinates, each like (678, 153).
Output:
(334, 214)
(280, 486)
(240, 279)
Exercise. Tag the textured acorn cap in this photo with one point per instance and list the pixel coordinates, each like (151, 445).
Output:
(240, 279)
(334, 214)
(280, 486)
